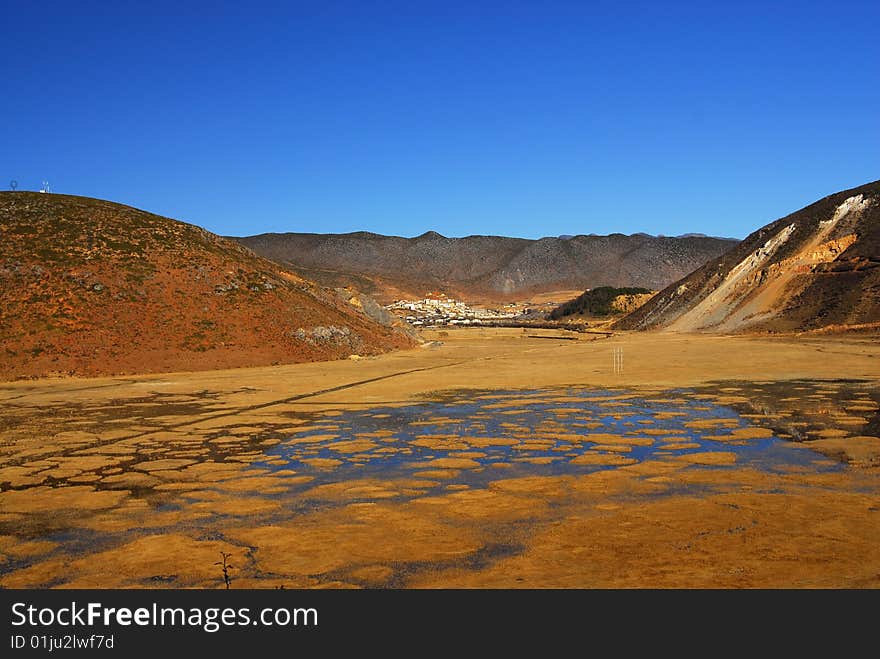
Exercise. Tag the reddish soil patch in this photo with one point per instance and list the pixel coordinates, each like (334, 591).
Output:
(89, 287)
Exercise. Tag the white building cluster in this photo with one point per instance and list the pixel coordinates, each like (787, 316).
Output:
(437, 309)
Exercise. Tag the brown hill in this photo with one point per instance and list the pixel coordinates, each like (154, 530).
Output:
(92, 287)
(816, 268)
(486, 267)
(602, 302)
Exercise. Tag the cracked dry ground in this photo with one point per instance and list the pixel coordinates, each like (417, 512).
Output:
(492, 460)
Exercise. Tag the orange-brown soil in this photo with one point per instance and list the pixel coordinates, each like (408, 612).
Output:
(90, 287)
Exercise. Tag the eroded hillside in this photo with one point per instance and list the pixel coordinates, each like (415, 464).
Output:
(816, 268)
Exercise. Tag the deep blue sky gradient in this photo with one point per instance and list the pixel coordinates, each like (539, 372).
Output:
(513, 118)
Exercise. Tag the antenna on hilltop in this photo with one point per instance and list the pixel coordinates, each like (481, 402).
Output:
(13, 184)
(45, 187)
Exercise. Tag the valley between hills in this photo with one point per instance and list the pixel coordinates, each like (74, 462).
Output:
(169, 395)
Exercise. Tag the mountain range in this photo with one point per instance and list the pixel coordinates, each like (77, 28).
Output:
(485, 267)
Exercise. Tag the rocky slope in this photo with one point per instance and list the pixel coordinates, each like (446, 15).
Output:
(90, 287)
(816, 268)
(486, 267)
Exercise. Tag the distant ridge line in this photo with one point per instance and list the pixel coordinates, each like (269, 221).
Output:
(490, 267)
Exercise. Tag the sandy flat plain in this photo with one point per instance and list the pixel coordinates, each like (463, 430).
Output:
(488, 458)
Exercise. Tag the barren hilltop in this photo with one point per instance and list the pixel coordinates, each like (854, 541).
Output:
(91, 287)
(486, 267)
(818, 268)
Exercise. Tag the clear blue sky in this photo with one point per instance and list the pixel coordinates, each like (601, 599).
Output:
(514, 118)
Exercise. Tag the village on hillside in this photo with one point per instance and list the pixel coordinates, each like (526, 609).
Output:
(437, 309)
